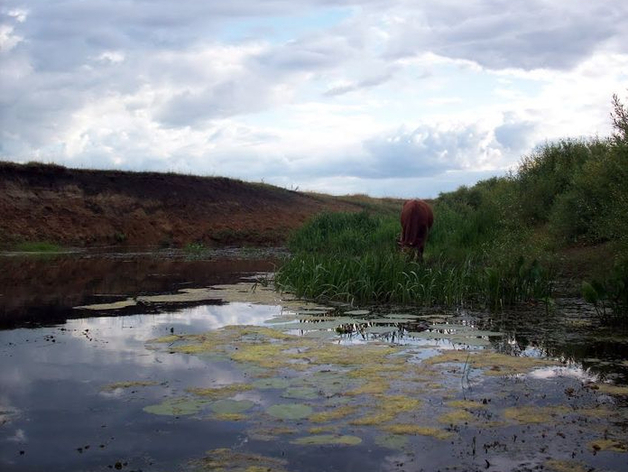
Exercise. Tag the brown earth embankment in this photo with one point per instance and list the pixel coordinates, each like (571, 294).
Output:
(76, 207)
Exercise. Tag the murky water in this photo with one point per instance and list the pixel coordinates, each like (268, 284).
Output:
(259, 384)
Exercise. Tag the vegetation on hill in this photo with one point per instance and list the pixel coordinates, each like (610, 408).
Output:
(563, 212)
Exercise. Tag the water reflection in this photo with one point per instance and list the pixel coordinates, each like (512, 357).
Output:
(53, 403)
(43, 290)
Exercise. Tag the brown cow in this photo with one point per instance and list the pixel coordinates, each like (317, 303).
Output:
(416, 220)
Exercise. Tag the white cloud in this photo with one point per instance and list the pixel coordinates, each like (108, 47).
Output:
(379, 94)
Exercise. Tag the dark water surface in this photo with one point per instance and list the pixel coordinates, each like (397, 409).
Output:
(60, 408)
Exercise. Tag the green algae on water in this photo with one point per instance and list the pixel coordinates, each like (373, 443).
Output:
(178, 406)
(332, 414)
(229, 460)
(414, 430)
(130, 384)
(229, 406)
(328, 440)
(222, 391)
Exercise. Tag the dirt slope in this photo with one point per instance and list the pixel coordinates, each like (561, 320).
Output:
(93, 208)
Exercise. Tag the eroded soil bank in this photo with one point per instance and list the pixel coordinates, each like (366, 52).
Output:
(89, 208)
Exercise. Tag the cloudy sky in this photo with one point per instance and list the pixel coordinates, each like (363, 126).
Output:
(386, 97)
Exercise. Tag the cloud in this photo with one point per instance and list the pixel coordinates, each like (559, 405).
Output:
(525, 34)
(428, 151)
(371, 91)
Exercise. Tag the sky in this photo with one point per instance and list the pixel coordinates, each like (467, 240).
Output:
(394, 98)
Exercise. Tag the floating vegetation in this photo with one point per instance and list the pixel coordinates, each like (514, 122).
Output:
(566, 466)
(413, 429)
(130, 384)
(178, 406)
(456, 417)
(229, 460)
(269, 432)
(611, 445)
(222, 391)
(271, 383)
(336, 413)
(244, 292)
(303, 393)
(534, 414)
(491, 362)
(611, 389)
(328, 440)
(393, 395)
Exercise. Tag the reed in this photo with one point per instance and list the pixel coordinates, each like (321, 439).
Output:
(353, 258)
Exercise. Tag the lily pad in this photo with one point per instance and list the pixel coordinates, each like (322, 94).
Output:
(290, 411)
(229, 406)
(271, 382)
(357, 312)
(381, 329)
(302, 393)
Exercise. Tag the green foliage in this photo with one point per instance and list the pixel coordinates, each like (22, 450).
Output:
(549, 172)
(38, 246)
(611, 292)
(346, 233)
(328, 264)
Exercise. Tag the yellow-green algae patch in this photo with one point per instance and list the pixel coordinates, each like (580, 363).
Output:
(270, 433)
(267, 355)
(388, 408)
(492, 362)
(415, 430)
(611, 389)
(456, 417)
(222, 391)
(229, 417)
(328, 440)
(169, 339)
(130, 384)
(534, 414)
(333, 414)
(556, 465)
(612, 445)
(322, 429)
(178, 406)
(228, 460)
(357, 355)
(371, 387)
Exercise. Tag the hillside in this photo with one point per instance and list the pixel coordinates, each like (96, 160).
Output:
(76, 207)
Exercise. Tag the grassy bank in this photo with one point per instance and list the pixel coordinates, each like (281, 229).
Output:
(502, 241)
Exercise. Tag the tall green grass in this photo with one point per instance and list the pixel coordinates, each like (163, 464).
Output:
(354, 258)
(392, 279)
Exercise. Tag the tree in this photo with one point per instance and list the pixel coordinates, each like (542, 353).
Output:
(619, 116)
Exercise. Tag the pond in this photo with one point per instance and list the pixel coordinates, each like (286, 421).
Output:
(154, 362)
